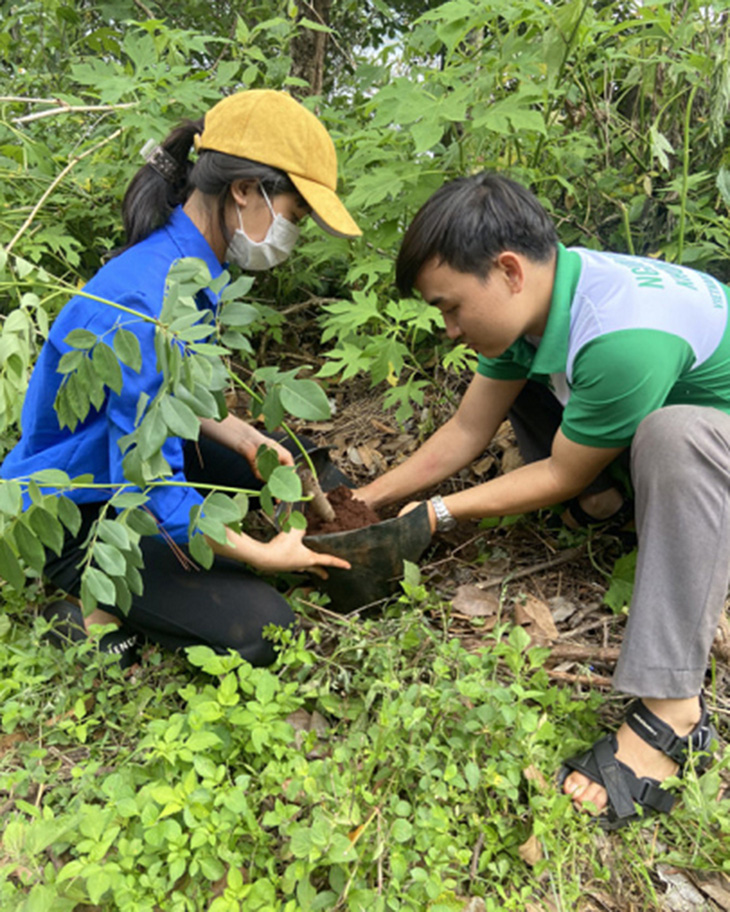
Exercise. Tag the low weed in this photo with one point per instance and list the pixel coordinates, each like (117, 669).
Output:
(379, 765)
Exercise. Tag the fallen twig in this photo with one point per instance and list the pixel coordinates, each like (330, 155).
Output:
(567, 652)
(587, 680)
(562, 558)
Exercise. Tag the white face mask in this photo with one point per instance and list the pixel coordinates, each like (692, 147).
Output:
(274, 249)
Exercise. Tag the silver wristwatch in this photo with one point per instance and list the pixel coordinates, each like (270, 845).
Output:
(444, 519)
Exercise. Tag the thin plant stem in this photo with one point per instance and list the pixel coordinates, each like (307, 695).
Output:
(685, 174)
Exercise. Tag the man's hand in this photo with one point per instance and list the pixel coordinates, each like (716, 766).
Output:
(431, 512)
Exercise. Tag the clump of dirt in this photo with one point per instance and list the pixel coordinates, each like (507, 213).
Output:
(349, 514)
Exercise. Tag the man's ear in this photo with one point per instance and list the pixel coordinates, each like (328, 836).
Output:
(512, 267)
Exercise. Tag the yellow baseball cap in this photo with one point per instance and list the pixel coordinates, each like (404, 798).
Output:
(272, 128)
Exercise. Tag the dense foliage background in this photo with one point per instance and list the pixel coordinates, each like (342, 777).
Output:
(616, 115)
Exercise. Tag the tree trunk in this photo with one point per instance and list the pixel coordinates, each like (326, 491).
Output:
(308, 48)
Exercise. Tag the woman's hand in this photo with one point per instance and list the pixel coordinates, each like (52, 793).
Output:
(288, 552)
(243, 438)
(250, 439)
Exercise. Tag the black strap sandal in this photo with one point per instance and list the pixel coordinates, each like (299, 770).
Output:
(584, 520)
(623, 787)
(68, 627)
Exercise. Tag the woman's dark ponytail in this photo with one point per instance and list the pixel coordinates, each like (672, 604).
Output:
(160, 185)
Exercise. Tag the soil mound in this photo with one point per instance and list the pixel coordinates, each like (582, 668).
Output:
(349, 514)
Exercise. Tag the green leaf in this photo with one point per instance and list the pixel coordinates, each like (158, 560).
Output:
(10, 567)
(201, 551)
(29, 547)
(109, 559)
(99, 585)
(70, 361)
(305, 399)
(48, 529)
(107, 367)
(179, 418)
(11, 497)
(284, 484)
(127, 349)
(238, 314)
(220, 507)
(621, 586)
(81, 338)
(69, 514)
(267, 461)
(113, 532)
(151, 434)
(723, 184)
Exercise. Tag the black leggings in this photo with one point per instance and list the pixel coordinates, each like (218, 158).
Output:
(226, 607)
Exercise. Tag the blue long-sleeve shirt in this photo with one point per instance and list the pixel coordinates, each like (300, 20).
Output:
(135, 279)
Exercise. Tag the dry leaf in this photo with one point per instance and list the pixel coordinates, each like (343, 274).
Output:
(721, 644)
(714, 885)
(531, 851)
(561, 608)
(473, 904)
(533, 774)
(474, 602)
(511, 459)
(379, 426)
(534, 615)
(483, 466)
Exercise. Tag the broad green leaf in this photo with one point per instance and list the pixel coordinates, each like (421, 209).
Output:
(107, 366)
(100, 586)
(179, 418)
(305, 399)
(284, 484)
(11, 497)
(69, 514)
(127, 349)
(81, 338)
(201, 551)
(109, 558)
(53, 478)
(220, 507)
(113, 532)
(29, 547)
(10, 567)
(238, 314)
(48, 529)
(70, 361)
(266, 461)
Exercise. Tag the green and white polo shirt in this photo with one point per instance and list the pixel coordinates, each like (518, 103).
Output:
(625, 335)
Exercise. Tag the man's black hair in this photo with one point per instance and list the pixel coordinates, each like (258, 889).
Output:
(469, 222)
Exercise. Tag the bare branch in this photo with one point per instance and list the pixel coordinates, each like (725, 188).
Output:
(71, 109)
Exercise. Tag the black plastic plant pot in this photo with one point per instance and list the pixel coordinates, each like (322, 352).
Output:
(376, 554)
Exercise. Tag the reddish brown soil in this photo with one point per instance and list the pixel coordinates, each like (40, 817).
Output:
(349, 514)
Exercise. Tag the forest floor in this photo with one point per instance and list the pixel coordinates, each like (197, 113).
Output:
(84, 741)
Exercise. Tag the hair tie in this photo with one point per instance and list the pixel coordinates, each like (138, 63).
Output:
(161, 160)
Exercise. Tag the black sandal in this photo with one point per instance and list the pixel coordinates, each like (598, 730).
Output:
(68, 627)
(623, 787)
(584, 520)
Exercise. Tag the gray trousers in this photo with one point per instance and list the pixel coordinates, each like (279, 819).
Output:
(680, 468)
(680, 471)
